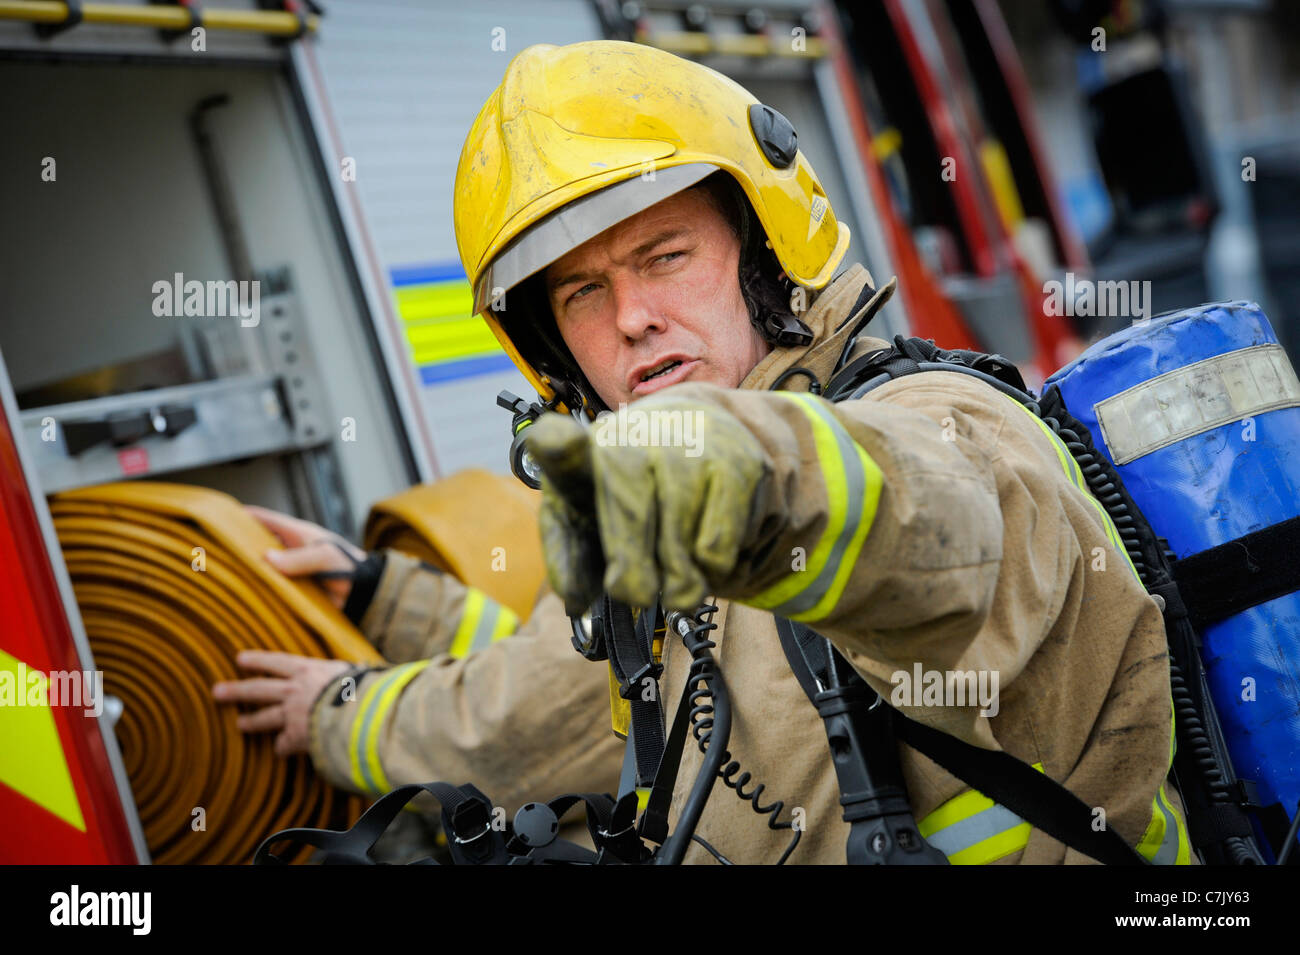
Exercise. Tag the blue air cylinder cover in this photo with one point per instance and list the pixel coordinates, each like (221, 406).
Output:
(1199, 410)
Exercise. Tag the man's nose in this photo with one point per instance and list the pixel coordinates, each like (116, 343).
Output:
(636, 310)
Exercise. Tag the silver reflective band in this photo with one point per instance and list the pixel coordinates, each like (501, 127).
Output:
(971, 831)
(568, 227)
(1197, 398)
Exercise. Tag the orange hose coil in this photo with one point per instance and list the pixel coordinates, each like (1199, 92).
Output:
(165, 621)
(478, 526)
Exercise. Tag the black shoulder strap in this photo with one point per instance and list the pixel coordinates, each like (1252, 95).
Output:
(882, 829)
(629, 641)
(907, 356)
(1035, 797)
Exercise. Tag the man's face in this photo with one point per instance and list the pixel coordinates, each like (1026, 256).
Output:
(658, 288)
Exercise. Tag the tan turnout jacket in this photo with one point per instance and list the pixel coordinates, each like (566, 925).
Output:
(521, 716)
(971, 549)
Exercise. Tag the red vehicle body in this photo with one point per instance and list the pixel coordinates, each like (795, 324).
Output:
(943, 69)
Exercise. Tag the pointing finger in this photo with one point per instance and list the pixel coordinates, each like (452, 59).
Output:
(562, 450)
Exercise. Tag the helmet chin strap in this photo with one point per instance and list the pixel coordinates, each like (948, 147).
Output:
(778, 326)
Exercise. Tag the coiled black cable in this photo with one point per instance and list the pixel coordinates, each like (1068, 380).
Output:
(704, 682)
(814, 386)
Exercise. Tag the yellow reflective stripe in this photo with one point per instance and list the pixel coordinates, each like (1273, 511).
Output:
(853, 484)
(363, 748)
(955, 810)
(440, 323)
(354, 737)
(406, 673)
(31, 757)
(418, 303)
(642, 798)
(1155, 832)
(1172, 733)
(1183, 854)
(1165, 842)
(1075, 474)
(470, 618)
(447, 339)
(507, 623)
(971, 829)
(995, 847)
(482, 623)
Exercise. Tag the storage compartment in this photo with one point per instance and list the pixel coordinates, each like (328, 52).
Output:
(177, 299)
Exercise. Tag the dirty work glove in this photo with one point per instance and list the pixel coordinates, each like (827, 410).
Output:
(639, 521)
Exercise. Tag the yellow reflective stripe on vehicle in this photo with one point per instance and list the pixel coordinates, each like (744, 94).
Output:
(1075, 474)
(482, 623)
(971, 829)
(363, 751)
(853, 484)
(31, 758)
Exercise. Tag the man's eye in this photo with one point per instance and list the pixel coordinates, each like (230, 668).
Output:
(582, 291)
(668, 256)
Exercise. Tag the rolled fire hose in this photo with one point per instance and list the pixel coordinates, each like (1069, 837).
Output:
(172, 583)
(479, 526)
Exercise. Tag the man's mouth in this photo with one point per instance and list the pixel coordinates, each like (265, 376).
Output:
(665, 373)
(662, 369)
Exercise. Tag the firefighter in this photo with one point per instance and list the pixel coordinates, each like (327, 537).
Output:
(643, 238)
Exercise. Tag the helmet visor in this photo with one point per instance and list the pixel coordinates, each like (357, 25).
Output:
(568, 227)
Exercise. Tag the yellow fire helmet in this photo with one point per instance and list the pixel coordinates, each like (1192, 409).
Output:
(580, 137)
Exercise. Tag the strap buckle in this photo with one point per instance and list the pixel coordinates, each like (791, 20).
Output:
(487, 827)
(606, 834)
(652, 670)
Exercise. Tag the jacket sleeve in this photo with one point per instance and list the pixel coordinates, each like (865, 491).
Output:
(888, 523)
(418, 612)
(524, 718)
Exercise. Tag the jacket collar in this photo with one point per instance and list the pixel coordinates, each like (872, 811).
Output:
(832, 319)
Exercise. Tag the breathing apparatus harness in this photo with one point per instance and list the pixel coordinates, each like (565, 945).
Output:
(862, 730)
(1216, 801)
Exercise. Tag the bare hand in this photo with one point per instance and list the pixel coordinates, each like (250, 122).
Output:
(310, 550)
(289, 693)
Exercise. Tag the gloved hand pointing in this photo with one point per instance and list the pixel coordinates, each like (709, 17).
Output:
(655, 500)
